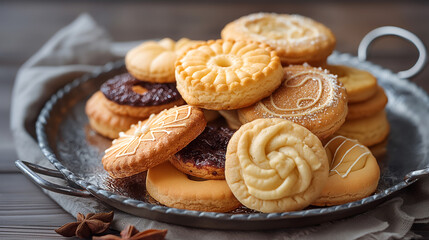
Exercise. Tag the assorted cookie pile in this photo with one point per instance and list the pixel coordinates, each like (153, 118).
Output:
(294, 130)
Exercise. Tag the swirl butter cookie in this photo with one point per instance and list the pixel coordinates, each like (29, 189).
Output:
(353, 175)
(296, 39)
(275, 165)
(308, 96)
(153, 141)
(153, 61)
(173, 188)
(360, 85)
(225, 75)
(103, 121)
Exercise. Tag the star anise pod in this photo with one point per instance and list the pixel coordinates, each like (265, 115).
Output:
(131, 233)
(86, 226)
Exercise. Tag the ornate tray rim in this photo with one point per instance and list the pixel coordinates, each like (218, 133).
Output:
(41, 126)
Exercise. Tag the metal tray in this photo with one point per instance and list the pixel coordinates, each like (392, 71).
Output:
(76, 151)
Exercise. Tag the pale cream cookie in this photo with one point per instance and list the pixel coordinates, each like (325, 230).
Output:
(275, 165)
(225, 75)
(296, 39)
(153, 61)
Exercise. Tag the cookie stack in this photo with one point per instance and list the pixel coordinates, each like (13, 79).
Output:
(366, 117)
(268, 78)
(148, 88)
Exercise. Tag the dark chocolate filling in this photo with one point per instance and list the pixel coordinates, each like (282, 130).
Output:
(208, 149)
(119, 89)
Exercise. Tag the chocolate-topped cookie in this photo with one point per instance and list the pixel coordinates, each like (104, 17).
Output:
(131, 97)
(205, 156)
(124, 90)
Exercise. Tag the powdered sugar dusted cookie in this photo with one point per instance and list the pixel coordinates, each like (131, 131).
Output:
(275, 165)
(308, 96)
(153, 141)
(297, 39)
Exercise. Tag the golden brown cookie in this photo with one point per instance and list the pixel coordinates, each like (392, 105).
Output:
(225, 75)
(153, 61)
(368, 107)
(353, 175)
(231, 118)
(103, 121)
(360, 85)
(308, 96)
(275, 165)
(152, 142)
(369, 130)
(175, 189)
(296, 39)
(205, 156)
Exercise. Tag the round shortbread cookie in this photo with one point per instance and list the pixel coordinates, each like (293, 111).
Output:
(175, 189)
(353, 175)
(153, 61)
(296, 39)
(360, 85)
(309, 96)
(152, 142)
(225, 75)
(103, 121)
(274, 165)
(369, 130)
(368, 107)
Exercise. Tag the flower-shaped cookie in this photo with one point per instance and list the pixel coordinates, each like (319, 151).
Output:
(224, 75)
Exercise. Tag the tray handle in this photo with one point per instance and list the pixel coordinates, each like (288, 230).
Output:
(395, 31)
(414, 175)
(30, 170)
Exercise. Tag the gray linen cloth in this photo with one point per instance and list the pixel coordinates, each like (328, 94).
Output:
(82, 47)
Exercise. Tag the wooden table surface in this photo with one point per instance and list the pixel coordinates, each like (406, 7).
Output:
(25, 212)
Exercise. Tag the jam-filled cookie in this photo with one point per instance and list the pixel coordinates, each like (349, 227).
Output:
(275, 165)
(353, 175)
(360, 85)
(131, 97)
(224, 75)
(205, 156)
(153, 141)
(296, 39)
(173, 188)
(105, 122)
(369, 130)
(309, 96)
(153, 61)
